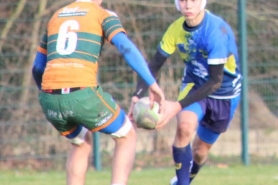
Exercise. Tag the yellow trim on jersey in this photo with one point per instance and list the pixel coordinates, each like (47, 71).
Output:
(170, 38)
(230, 65)
(183, 93)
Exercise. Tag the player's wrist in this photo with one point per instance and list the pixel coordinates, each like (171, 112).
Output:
(136, 94)
(181, 104)
(134, 99)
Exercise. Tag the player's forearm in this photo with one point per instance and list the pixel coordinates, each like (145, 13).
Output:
(154, 66)
(205, 90)
(214, 83)
(133, 57)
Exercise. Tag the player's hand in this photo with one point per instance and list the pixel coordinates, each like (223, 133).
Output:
(171, 110)
(156, 94)
(134, 99)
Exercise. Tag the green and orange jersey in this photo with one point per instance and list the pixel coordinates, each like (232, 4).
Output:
(73, 41)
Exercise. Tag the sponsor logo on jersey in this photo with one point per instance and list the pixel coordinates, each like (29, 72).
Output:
(68, 12)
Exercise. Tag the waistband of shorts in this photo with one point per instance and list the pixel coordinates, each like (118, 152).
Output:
(65, 90)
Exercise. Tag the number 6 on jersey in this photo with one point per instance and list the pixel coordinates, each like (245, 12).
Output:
(67, 40)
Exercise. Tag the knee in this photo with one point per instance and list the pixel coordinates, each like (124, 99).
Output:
(185, 130)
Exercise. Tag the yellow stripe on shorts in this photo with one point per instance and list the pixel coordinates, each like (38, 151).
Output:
(185, 90)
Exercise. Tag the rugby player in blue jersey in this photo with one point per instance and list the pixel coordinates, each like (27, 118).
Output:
(211, 85)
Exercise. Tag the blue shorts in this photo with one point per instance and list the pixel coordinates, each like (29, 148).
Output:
(214, 116)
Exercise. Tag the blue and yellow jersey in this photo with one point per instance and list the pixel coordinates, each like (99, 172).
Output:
(73, 41)
(212, 42)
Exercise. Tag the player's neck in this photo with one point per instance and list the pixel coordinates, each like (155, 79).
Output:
(197, 20)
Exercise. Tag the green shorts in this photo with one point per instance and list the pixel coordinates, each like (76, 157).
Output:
(89, 107)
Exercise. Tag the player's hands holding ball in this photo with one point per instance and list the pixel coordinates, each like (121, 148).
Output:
(152, 112)
(172, 108)
(147, 112)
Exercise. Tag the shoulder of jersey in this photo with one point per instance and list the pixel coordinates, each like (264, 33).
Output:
(212, 18)
(111, 12)
(179, 21)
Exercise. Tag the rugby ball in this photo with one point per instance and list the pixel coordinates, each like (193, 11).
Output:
(145, 117)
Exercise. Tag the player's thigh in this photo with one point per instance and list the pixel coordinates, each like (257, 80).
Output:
(189, 117)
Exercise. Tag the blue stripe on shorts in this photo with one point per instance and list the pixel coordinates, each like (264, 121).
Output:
(115, 125)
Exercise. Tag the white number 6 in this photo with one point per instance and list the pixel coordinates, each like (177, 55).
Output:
(67, 40)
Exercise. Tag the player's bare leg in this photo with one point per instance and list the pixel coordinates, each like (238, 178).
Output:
(200, 150)
(187, 123)
(77, 162)
(124, 154)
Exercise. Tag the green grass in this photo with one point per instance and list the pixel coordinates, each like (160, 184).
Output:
(210, 175)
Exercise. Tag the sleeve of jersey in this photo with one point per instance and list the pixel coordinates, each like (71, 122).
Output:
(39, 63)
(111, 25)
(133, 57)
(218, 46)
(42, 48)
(167, 45)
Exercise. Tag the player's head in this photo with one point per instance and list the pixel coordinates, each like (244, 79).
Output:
(190, 8)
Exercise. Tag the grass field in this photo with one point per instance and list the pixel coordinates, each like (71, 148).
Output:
(210, 175)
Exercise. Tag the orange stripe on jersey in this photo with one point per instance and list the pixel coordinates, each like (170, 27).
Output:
(87, 23)
(67, 73)
(115, 32)
(42, 50)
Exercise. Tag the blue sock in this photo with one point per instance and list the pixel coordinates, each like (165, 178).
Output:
(194, 170)
(182, 158)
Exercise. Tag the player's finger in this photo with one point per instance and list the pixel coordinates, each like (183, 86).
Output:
(162, 103)
(161, 122)
(151, 103)
(160, 125)
(162, 107)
